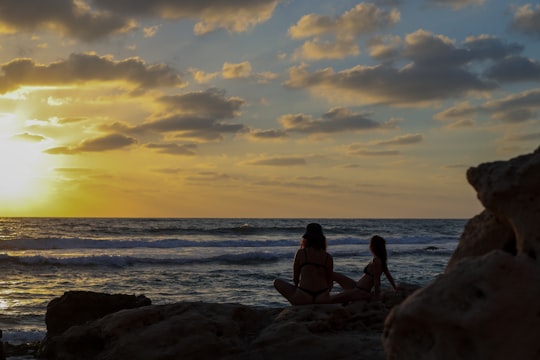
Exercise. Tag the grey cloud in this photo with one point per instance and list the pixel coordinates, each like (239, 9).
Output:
(67, 17)
(439, 70)
(490, 47)
(366, 152)
(514, 69)
(512, 109)
(99, 144)
(267, 134)
(191, 127)
(406, 139)
(85, 68)
(280, 161)
(211, 102)
(195, 115)
(336, 120)
(516, 104)
(527, 19)
(233, 15)
(174, 149)
(96, 19)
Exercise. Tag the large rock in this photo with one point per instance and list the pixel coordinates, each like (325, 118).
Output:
(197, 330)
(79, 307)
(487, 304)
(485, 308)
(483, 233)
(511, 190)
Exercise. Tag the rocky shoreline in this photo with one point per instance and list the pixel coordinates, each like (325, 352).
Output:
(209, 331)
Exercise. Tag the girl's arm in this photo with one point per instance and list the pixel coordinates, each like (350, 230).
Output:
(377, 271)
(390, 278)
(296, 268)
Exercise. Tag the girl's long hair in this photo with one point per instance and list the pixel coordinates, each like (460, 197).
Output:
(314, 237)
(377, 244)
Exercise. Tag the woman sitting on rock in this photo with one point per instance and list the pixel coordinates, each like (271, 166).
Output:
(312, 271)
(371, 277)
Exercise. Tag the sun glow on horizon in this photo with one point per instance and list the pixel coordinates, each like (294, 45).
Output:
(23, 167)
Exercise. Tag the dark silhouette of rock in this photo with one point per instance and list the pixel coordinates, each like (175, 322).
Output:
(487, 303)
(198, 330)
(78, 307)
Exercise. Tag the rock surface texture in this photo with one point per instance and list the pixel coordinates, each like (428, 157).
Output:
(487, 304)
(197, 330)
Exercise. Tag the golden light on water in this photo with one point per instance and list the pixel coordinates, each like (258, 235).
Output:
(3, 304)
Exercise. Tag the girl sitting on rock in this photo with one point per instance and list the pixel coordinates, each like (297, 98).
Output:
(312, 271)
(371, 277)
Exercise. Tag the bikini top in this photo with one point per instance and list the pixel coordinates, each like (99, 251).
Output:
(313, 263)
(366, 270)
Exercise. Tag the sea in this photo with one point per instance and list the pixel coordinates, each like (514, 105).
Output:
(212, 260)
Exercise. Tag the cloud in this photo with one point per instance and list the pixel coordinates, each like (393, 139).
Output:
(490, 47)
(317, 49)
(150, 31)
(235, 71)
(243, 71)
(279, 161)
(515, 69)
(86, 68)
(406, 139)
(191, 127)
(438, 70)
(368, 152)
(67, 17)
(457, 4)
(99, 144)
(514, 108)
(173, 149)
(211, 102)
(385, 48)
(267, 135)
(364, 18)
(334, 121)
(233, 15)
(527, 19)
(203, 77)
(28, 137)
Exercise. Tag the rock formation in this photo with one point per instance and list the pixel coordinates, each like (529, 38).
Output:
(487, 304)
(198, 330)
(79, 307)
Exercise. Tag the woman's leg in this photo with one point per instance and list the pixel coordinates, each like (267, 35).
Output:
(347, 296)
(345, 282)
(285, 288)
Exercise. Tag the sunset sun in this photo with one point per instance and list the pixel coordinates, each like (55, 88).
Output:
(22, 165)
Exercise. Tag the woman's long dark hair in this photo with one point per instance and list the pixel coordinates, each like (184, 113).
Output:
(377, 245)
(314, 237)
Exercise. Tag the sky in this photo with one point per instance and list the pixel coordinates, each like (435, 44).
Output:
(261, 108)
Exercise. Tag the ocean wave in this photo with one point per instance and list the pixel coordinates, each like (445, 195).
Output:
(171, 243)
(244, 258)
(122, 261)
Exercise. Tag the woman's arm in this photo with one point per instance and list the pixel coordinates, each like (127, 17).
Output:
(296, 268)
(390, 278)
(377, 271)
